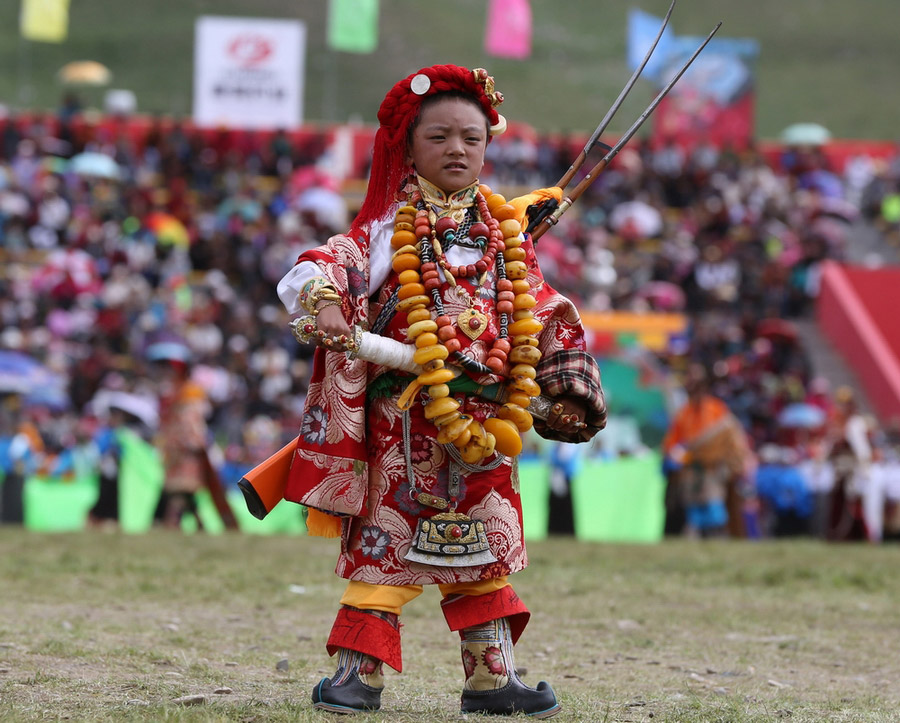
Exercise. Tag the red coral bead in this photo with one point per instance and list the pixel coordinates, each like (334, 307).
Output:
(502, 344)
(494, 364)
(445, 224)
(479, 231)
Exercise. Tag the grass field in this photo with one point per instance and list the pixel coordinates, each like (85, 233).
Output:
(830, 61)
(101, 627)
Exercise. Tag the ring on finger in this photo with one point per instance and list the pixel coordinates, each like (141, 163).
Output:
(558, 407)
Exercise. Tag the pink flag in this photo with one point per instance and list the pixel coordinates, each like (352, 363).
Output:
(508, 32)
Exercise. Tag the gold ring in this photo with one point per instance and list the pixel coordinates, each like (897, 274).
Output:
(558, 407)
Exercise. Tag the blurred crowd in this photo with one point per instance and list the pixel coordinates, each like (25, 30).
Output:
(109, 247)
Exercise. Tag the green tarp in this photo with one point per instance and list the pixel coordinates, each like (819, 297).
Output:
(53, 505)
(620, 500)
(534, 486)
(140, 481)
(614, 501)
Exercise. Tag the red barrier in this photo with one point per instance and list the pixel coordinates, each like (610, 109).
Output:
(857, 312)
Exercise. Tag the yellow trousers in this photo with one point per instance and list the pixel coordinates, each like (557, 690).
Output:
(392, 598)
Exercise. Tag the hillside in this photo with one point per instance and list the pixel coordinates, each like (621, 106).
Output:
(821, 60)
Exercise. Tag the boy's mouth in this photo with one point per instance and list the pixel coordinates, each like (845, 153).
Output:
(455, 166)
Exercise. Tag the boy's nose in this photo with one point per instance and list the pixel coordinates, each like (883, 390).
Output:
(455, 145)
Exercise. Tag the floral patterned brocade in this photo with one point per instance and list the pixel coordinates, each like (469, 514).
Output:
(350, 455)
(374, 545)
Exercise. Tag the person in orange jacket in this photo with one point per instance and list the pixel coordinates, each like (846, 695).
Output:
(706, 452)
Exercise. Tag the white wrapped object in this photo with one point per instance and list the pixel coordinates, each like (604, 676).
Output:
(366, 346)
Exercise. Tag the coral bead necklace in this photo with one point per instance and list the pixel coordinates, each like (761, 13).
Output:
(417, 259)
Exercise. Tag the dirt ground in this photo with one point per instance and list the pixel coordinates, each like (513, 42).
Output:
(103, 627)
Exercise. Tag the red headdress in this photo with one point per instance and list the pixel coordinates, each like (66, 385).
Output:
(397, 113)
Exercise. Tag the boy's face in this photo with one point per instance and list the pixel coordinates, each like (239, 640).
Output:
(447, 146)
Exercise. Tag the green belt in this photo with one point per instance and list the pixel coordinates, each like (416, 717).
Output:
(466, 385)
(390, 383)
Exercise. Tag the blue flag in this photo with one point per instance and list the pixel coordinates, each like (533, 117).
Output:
(642, 31)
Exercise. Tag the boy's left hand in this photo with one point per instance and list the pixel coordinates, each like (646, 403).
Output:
(567, 415)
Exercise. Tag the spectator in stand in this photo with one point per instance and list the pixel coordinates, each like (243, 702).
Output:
(183, 436)
(851, 455)
(706, 454)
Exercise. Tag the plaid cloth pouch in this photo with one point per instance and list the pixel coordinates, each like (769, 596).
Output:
(572, 373)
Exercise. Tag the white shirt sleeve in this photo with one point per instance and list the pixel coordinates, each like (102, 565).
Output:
(380, 252)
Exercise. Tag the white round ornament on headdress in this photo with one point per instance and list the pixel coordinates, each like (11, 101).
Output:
(420, 84)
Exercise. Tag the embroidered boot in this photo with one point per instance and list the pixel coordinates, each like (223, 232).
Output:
(363, 641)
(492, 685)
(356, 686)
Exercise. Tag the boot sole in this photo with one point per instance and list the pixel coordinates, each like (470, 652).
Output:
(549, 713)
(343, 709)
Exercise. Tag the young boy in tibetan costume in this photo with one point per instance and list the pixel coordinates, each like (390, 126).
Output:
(417, 471)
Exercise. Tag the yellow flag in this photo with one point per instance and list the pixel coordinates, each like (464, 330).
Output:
(46, 21)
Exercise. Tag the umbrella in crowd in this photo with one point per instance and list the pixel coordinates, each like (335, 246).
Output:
(824, 182)
(801, 416)
(636, 219)
(169, 349)
(84, 72)
(138, 406)
(95, 165)
(167, 229)
(328, 207)
(248, 209)
(805, 134)
(26, 376)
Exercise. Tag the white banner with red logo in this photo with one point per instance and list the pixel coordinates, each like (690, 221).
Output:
(248, 72)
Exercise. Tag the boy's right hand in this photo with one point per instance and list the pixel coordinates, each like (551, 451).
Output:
(330, 321)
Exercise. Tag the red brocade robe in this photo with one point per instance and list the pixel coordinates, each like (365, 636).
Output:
(350, 457)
